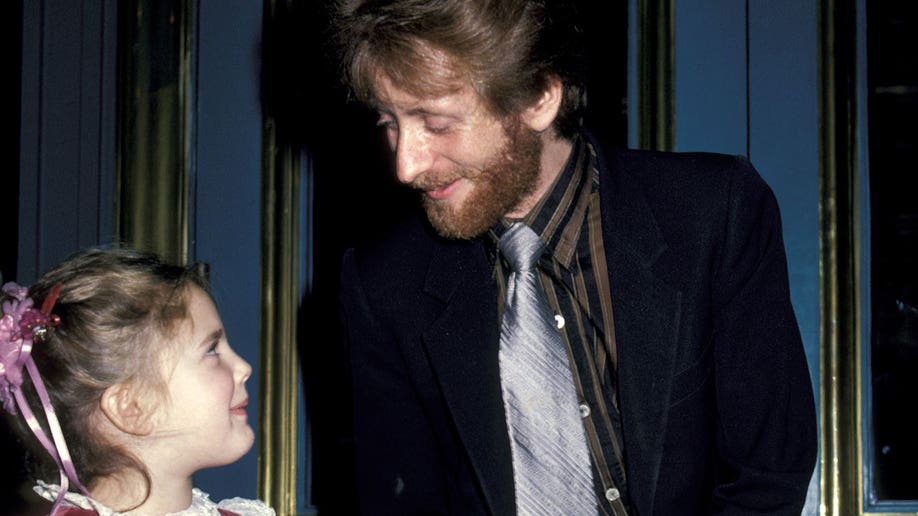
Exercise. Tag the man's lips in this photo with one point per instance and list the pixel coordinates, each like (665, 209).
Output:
(442, 192)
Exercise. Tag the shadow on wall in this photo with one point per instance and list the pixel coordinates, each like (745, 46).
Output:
(355, 199)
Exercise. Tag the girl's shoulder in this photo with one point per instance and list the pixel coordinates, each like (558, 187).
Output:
(77, 504)
(239, 506)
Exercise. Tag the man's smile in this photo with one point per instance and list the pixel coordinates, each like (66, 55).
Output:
(442, 192)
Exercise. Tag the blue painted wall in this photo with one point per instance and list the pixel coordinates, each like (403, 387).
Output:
(227, 196)
(746, 83)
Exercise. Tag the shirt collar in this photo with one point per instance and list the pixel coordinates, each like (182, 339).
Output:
(558, 217)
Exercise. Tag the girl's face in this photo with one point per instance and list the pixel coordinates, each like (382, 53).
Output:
(204, 422)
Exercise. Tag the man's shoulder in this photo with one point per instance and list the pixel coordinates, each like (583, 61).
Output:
(684, 169)
(685, 197)
(678, 180)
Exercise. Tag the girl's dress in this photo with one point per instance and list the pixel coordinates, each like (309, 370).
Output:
(76, 504)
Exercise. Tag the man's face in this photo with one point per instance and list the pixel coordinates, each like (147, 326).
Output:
(471, 167)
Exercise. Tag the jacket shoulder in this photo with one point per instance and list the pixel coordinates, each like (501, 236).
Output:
(703, 174)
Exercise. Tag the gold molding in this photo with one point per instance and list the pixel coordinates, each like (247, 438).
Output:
(656, 72)
(278, 453)
(153, 155)
(841, 467)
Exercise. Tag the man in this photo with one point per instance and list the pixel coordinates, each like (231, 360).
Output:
(666, 273)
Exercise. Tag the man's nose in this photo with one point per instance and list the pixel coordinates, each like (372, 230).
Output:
(413, 155)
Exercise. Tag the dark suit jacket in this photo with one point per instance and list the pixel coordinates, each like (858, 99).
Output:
(716, 399)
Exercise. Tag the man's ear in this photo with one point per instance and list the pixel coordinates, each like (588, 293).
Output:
(541, 114)
(121, 406)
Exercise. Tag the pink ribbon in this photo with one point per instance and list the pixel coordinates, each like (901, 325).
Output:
(31, 322)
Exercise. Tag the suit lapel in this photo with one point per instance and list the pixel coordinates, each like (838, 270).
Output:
(647, 313)
(462, 346)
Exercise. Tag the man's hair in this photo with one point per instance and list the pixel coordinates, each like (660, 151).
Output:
(506, 49)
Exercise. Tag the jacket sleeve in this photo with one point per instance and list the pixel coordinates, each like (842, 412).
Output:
(766, 425)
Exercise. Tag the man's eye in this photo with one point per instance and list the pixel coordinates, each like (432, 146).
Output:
(437, 125)
(437, 129)
(386, 123)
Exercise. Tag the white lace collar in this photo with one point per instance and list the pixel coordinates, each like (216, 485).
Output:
(201, 505)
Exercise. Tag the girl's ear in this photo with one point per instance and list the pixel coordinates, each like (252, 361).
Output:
(122, 407)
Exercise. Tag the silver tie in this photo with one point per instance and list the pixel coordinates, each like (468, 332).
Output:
(551, 462)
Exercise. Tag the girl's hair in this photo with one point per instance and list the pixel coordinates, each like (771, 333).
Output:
(117, 309)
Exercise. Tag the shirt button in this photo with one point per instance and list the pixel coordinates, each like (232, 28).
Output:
(584, 410)
(612, 494)
(559, 320)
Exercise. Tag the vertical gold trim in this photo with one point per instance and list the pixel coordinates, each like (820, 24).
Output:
(842, 375)
(154, 146)
(656, 75)
(841, 484)
(278, 453)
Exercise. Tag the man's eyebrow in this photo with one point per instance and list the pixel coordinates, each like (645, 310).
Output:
(422, 111)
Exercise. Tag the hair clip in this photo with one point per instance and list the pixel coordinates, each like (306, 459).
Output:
(36, 324)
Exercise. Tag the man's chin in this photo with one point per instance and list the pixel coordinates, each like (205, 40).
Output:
(490, 194)
(461, 224)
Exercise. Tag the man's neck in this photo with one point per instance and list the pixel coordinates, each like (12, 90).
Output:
(555, 152)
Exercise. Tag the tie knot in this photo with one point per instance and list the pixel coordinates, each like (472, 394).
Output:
(521, 246)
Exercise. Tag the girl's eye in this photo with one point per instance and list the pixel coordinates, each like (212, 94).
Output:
(212, 350)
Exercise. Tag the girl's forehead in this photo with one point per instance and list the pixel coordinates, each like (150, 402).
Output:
(203, 317)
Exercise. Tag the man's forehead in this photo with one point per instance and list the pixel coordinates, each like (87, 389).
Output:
(388, 95)
(429, 73)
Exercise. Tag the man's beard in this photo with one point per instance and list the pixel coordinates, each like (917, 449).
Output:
(498, 188)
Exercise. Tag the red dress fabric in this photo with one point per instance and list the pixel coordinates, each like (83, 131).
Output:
(76, 511)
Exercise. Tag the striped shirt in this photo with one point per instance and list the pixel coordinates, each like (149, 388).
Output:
(576, 281)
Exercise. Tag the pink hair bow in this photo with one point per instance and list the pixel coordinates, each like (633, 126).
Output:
(21, 327)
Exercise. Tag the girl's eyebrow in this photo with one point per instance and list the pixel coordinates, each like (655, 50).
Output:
(215, 335)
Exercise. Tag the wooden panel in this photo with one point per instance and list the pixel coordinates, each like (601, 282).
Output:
(710, 76)
(784, 146)
(226, 197)
(67, 131)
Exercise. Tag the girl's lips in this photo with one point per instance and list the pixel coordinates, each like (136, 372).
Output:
(443, 192)
(239, 409)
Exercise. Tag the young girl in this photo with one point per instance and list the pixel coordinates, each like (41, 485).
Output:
(117, 365)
